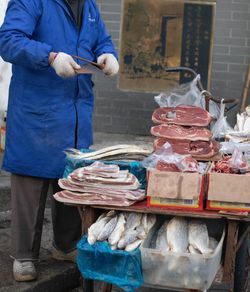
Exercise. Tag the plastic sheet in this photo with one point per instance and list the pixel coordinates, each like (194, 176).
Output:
(134, 167)
(118, 267)
(188, 94)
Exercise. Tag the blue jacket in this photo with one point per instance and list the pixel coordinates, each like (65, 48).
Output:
(48, 114)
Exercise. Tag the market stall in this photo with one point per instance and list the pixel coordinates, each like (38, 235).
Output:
(168, 216)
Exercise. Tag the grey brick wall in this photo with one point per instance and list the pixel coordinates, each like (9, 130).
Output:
(130, 112)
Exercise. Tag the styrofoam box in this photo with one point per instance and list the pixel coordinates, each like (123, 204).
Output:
(182, 270)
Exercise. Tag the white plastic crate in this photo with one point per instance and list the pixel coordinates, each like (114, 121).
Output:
(182, 270)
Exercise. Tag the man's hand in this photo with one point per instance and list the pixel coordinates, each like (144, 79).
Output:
(111, 66)
(63, 64)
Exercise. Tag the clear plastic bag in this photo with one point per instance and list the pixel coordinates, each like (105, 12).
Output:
(188, 94)
(166, 159)
(221, 127)
(238, 161)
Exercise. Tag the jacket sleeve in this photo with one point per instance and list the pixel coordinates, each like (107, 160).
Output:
(104, 42)
(16, 43)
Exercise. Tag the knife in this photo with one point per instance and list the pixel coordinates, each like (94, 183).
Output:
(99, 66)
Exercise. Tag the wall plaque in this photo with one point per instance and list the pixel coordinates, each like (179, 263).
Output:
(157, 34)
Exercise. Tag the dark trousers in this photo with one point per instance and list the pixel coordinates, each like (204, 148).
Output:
(28, 195)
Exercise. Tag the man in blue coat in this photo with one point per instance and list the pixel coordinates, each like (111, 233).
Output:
(50, 110)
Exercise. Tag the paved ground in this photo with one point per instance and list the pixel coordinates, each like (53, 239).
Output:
(54, 276)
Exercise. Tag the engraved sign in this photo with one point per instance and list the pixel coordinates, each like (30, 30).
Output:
(157, 34)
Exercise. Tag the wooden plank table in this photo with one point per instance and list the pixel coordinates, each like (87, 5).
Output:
(232, 243)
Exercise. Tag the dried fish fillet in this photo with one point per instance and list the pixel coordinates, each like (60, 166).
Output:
(118, 231)
(161, 240)
(108, 151)
(198, 236)
(107, 230)
(132, 246)
(96, 228)
(177, 234)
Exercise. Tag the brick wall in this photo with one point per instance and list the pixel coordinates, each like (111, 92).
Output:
(130, 112)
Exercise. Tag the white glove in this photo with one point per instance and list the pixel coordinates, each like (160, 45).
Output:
(111, 66)
(64, 65)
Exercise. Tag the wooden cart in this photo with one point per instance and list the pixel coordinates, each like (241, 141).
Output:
(232, 242)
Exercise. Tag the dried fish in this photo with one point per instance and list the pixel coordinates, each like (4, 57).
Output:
(151, 219)
(128, 237)
(108, 229)
(133, 220)
(212, 243)
(108, 151)
(177, 234)
(193, 250)
(119, 229)
(96, 228)
(132, 246)
(161, 240)
(198, 236)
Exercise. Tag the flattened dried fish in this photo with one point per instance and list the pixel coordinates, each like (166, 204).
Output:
(198, 236)
(148, 221)
(108, 229)
(128, 237)
(151, 219)
(177, 234)
(118, 231)
(212, 243)
(133, 220)
(132, 246)
(161, 240)
(193, 250)
(96, 228)
(108, 151)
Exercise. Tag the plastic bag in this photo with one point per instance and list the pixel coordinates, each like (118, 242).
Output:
(118, 267)
(166, 159)
(221, 127)
(228, 147)
(238, 162)
(188, 94)
(134, 167)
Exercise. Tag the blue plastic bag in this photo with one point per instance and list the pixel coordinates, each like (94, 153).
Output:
(134, 167)
(118, 267)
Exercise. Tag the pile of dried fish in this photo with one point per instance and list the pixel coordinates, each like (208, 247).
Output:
(100, 184)
(117, 152)
(123, 230)
(180, 235)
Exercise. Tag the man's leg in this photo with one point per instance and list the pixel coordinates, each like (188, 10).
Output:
(28, 198)
(66, 224)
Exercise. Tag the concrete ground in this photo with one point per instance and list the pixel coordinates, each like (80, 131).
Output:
(54, 276)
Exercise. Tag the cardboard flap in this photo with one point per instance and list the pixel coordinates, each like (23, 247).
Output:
(174, 185)
(229, 187)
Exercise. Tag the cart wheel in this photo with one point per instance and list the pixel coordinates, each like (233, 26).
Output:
(242, 265)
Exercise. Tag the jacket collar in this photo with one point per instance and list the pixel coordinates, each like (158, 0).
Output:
(64, 6)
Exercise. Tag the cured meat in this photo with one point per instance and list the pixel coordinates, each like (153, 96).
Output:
(133, 184)
(81, 188)
(186, 115)
(98, 169)
(90, 199)
(204, 149)
(185, 164)
(175, 132)
(95, 185)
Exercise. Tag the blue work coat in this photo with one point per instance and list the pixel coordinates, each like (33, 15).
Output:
(48, 114)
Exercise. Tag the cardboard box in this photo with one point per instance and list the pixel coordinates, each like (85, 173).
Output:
(227, 191)
(175, 190)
